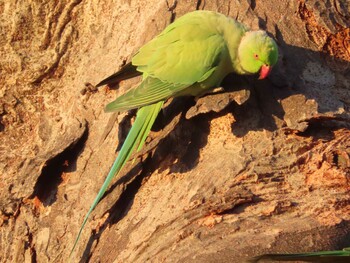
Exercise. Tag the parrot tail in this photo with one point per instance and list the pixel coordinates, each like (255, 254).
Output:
(321, 256)
(145, 118)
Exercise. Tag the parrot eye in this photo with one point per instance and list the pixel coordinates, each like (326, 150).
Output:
(256, 56)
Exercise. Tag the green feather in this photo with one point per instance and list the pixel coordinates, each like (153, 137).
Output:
(151, 90)
(321, 256)
(144, 120)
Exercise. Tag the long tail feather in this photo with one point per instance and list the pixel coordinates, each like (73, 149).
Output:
(144, 120)
(321, 256)
(126, 72)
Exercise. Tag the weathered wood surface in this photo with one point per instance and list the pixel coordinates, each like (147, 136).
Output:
(262, 168)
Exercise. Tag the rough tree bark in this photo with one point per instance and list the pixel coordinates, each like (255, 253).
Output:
(262, 168)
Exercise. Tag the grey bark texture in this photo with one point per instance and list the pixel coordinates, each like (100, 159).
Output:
(261, 168)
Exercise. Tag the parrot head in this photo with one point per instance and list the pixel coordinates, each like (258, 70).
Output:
(257, 52)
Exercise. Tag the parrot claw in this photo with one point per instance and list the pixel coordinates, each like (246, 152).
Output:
(217, 90)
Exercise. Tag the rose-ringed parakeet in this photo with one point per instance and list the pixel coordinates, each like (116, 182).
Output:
(190, 57)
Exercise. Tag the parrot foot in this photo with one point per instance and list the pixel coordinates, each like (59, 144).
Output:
(217, 90)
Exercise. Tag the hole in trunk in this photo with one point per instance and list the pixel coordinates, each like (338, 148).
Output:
(53, 173)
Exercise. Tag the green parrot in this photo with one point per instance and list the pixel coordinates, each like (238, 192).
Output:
(189, 58)
(321, 256)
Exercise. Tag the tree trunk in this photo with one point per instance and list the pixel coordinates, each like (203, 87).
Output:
(262, 168)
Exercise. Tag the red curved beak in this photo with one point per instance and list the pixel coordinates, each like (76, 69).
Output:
(264, 71)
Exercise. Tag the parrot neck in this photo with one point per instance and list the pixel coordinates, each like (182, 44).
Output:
(233, 33)
(239, 67)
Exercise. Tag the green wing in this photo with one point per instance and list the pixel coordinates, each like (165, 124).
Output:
(167, 73)
(188, 51)
(171, 65)
(183, 54)
(149, 91)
